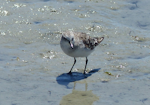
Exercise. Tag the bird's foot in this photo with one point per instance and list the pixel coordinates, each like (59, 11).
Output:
(69, 73)
(85, 72)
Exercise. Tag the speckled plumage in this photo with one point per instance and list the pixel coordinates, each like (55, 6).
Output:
(78, 44)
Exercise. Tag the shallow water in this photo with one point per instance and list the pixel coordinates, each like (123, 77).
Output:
(33, 66)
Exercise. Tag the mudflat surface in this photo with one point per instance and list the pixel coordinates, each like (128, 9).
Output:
(33, 67)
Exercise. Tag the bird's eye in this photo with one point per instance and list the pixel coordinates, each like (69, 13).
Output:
(72, 39)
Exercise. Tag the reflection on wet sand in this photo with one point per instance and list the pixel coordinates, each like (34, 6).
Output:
(79, 97)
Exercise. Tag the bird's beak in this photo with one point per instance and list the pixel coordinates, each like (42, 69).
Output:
(71, 45)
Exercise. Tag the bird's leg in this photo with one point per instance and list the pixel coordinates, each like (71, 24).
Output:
(72, 66)
(85, 65)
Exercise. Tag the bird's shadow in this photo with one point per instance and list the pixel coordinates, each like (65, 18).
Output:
(65, 78)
